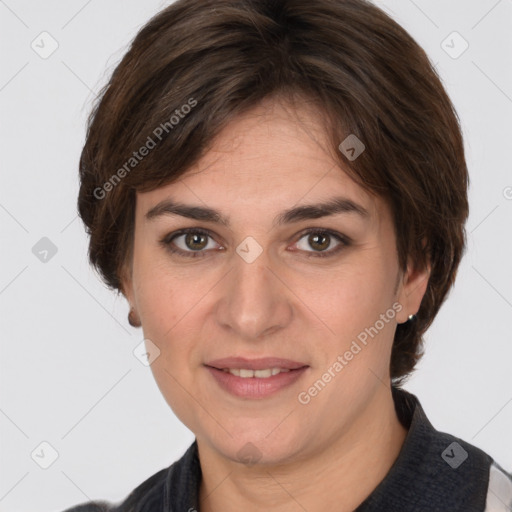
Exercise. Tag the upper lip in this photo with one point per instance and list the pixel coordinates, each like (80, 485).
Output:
(255, 364)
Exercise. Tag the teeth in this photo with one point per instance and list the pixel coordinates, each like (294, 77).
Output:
(260, 374)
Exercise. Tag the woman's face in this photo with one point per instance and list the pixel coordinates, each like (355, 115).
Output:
(319, 295)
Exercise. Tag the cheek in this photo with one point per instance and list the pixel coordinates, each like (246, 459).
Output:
(168, 310)
(163, 293)
(354, 293)
(171, 304)
(352, 306)
(176, 388)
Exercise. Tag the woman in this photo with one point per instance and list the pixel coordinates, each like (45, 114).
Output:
(279, 190)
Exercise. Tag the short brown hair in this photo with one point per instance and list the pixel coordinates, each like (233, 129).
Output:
(222, 57)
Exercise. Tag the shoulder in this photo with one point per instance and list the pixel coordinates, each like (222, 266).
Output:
(499, 491)
(92, 506)
(148, 494)
(436, 470)
(177, 485)
(470, 475)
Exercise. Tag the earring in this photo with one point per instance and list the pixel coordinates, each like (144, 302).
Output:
(412, 318)
(133, 320)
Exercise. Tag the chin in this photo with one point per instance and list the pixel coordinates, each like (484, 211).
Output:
(258, 453)
(261, 444)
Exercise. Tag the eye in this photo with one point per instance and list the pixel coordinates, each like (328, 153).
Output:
(189, 242)
(321, 240)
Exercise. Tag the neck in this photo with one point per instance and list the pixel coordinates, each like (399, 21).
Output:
(339, 477)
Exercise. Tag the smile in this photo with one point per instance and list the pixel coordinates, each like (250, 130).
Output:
(260, 374)
(255, 384)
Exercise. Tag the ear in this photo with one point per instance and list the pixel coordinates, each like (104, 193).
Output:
(125, 276)
(411, 289)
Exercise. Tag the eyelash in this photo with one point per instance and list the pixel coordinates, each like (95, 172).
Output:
(168, 239)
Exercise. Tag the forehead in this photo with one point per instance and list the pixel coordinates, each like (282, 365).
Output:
(268, 159)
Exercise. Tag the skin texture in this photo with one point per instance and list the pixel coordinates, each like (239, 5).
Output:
(330, 453)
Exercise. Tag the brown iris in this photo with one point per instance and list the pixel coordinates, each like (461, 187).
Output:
(319, 241)
(196, 241)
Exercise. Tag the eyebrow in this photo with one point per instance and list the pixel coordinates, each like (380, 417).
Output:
(334, 206)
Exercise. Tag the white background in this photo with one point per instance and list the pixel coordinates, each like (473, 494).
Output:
(68, 375)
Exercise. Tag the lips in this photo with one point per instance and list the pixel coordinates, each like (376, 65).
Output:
(256, 386)
(255, 364)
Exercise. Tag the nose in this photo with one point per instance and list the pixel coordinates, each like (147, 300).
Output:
(254, 301)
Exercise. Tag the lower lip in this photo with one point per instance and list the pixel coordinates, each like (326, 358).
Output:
(254, 387)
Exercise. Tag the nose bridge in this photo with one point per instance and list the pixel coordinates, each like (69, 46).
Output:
(254, 302)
